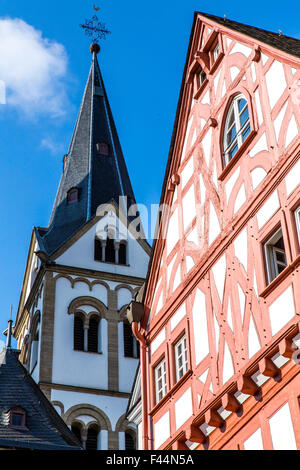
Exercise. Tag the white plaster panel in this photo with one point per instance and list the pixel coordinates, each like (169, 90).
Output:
(200, 327)
(173, 232)
(214, 226)
(206, 144)
(292, 131)
(183, 408)
(187, 172)
(253, 342)
(186, 136)
(228, 369)
(160, 338)
(241, 48)
(268, 209)
(241, 247)
(275, 80)
(240, 199)
(254, 442)
(292, 179)
(234, 71)
(231, 182)
(282, 431)
(258, 107)
(282, 310)
(178, 316)
(219, 272)
(188, 207)
(257, 176)
(162, 430)
(260, 146)
(278, 121)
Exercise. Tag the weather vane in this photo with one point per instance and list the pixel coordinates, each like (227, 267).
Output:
(95, 28)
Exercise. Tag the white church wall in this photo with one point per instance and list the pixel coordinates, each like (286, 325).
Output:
(113, 407)
(75, 367)
(81, 254)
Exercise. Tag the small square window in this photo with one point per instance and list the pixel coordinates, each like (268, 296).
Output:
(160, 380)
(181, 362)
(275, 255)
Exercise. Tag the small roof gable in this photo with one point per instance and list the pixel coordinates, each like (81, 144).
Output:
(281, 42)
(45, 429)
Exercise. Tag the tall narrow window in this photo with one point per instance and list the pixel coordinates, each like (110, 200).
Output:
(122, 253)
(275, 255)
(129, 441)
(297, 218)
(97, 250)
(93, 334)
(34, 350)
(78, 333)
(160, 380)
(237, 127)
(181, 361)
(131, 346)
(92, 437)
(110, 250)
(215, 52)
(72, 195)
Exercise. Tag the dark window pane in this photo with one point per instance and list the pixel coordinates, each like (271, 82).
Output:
(128, 340)
(76, 430)
(231, 135)
(241, 104)
(110, 250)
(72, 196)
(92, 438)
(122, 253)
(129, 442)
(93, 335)
(245, 133)
(98, 250)
(78, 334)
(17, 419)
(244, 117)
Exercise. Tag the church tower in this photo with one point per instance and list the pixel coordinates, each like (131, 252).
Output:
(81, 273)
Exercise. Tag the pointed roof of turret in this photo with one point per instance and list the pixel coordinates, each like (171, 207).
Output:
(94, 165)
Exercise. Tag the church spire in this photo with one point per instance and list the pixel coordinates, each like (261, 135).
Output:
(94, 172)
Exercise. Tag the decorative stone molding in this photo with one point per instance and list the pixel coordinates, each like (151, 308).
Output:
(87, 410)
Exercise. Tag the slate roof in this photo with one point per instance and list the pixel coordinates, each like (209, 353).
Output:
(283, 43)
(46, 429)
(100, 179)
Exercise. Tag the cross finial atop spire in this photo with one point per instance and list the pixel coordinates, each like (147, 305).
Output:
(96, 30)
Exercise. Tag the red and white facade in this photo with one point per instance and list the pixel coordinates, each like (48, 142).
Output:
(210, 278)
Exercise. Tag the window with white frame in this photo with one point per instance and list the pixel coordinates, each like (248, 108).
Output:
(275, 255)
(160, 380)
(216, 52)
(237, 127)
(297, 217)
(181, 362)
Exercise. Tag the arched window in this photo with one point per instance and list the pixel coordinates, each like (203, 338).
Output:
(92, 437)
(237, 127)
(102, 148)
(93, 334)
(78, 333)
(122, 253)
(131, 347)
(110, 250)
(76, 428)
(129, 441)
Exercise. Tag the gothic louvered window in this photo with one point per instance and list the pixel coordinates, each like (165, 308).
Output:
(122, 253)
(98, 250)
(93, 334)
(92, 438)
(131, 347)
(72, 195)
(76, 429)
(102, 148)
(129, 441)
(110, 250)
(78, 333)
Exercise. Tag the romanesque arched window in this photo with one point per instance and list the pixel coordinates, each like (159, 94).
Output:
(237, 127)
(129, 441)
(131, 347)
(92, 437)
(78, 333)
(122, 252)
(93, 334)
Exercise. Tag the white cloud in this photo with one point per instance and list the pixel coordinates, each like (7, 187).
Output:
(49, 144)
(33, 69)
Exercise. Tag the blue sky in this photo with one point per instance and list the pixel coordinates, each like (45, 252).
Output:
(44, 60)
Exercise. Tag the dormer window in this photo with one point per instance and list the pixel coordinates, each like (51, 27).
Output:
(102, 148)
(17, 417)
(72, 195)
